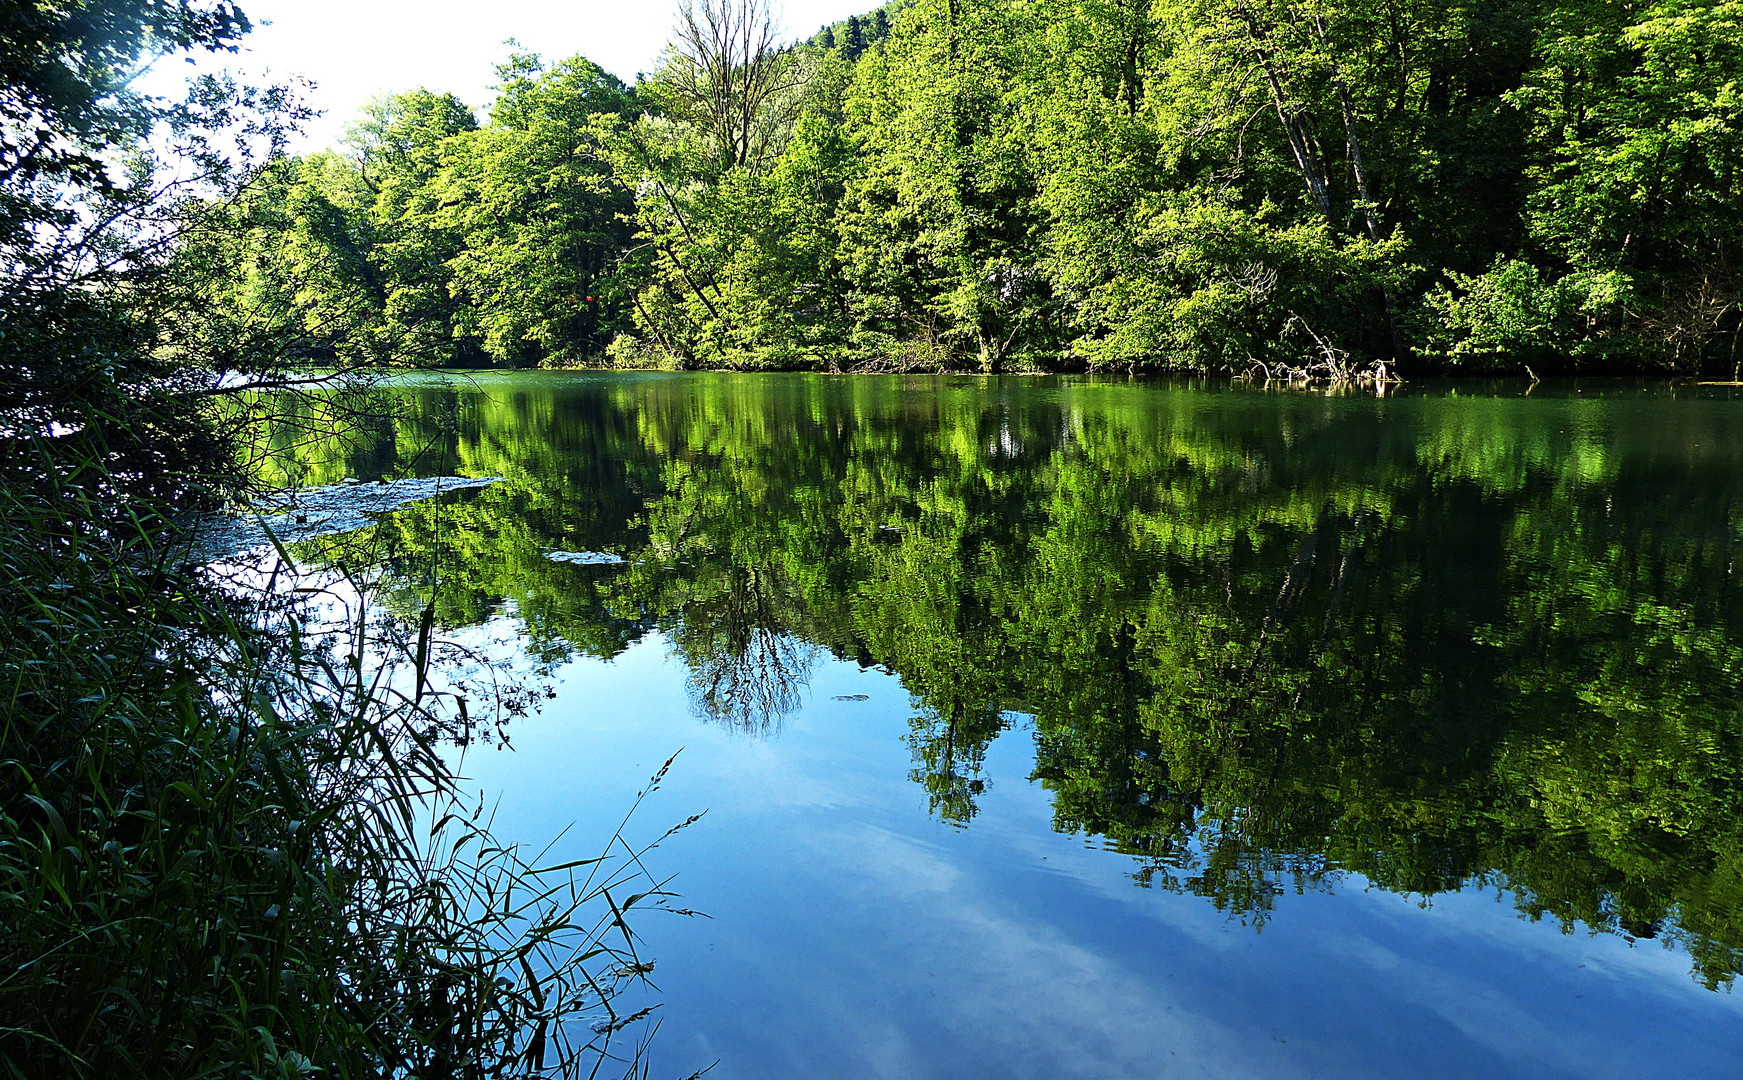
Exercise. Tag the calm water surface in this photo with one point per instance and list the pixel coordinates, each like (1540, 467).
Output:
(1076, 728)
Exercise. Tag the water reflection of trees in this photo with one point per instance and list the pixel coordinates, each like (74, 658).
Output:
(1263, 642)
(746, 669)
(950, 757)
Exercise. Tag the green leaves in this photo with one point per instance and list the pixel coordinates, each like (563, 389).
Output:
(436, 242)
(1227, 185)
(1638, 129)
(1512, 315)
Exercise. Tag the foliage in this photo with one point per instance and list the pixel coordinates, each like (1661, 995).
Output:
(852, 36)
(67, 72)
(234, 846)
(435, 241)
(725, 74)
(1233, 185)
(1639, 174)
(1511, 315)
(231, 840)
(537, 217)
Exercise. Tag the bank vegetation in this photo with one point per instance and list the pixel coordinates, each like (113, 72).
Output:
(1266, 187)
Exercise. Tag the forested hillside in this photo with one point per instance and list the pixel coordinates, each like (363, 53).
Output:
(1003, 185)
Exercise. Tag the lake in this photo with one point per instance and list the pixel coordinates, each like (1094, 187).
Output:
(1101, 728)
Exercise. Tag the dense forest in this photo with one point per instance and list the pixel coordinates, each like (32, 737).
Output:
(1267, 186)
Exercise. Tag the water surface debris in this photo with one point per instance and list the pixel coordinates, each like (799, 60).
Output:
(585, 558)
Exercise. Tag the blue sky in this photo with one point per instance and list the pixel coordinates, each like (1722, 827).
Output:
(353, 49)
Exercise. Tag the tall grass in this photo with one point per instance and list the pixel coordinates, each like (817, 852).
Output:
(231, 843)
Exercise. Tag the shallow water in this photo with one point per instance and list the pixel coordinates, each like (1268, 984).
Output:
(1063, 728)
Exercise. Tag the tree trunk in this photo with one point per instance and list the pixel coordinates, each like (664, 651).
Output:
(1297, 128)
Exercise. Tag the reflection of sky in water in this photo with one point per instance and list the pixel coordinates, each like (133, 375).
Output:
(1424, 637)
(853, 934)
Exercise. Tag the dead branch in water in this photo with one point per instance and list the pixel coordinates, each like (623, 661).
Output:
(1325, 365)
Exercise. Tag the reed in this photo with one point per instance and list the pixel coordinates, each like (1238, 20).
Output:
(232, 844)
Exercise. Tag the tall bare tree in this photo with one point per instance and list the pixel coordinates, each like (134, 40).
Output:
(726, 72)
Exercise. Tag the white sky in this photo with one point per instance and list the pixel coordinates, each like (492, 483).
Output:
(353, 49)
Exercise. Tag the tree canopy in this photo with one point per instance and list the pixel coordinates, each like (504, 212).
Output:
(994, 185)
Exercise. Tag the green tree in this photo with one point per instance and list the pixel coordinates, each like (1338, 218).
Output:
(1637, 145)
(1333, 189)
(399, 145)
(538, 219)
(940, 229)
